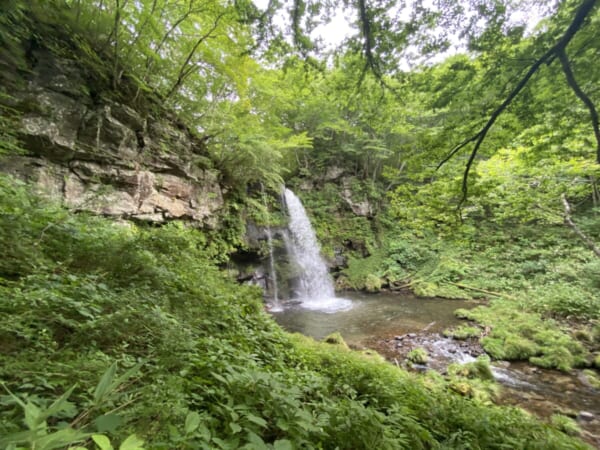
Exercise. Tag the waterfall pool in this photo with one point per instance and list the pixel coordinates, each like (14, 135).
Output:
(370, 315)
(392, 324)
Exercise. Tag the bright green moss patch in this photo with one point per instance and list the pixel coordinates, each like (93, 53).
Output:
(515, 334)
(463, 332)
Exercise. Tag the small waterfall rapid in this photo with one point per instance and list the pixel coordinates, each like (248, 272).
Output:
(315, 286)
(272, 273)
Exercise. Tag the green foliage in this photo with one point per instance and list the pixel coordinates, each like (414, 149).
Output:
(80, 294)
(360, 273)
(40, 434)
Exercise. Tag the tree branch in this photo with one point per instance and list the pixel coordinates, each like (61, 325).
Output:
(555, 51)
(184, 71)
(566, 66)
(569, 222)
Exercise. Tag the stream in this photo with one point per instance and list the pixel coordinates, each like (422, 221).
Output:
(393, 324)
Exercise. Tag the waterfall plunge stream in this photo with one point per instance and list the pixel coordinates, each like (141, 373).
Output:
(315, 286)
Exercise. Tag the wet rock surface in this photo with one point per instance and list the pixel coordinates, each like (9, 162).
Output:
(442, 351)
(102, 156)
(540, 391)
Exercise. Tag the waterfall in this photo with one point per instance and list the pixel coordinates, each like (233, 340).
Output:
(315, 286)
(272, 273)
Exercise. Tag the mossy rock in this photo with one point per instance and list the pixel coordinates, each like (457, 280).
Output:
(515, 348)
(479, 369)
(592, 377)
(373, 355)
(463, 332)
(336, 339)
(555, 358)
(462, 313)
(461, 387)
(425, 289)
(418, 356)
(342, 283)
(596, 362)
(596, 333)
(373, 283)
(583, 336)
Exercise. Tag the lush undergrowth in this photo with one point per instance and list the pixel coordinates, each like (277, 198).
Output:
(139, 333)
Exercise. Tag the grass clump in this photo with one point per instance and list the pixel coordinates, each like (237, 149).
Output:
(418, 356)
(336, 339)
(565, 424)
(463, 332)
(480, 369)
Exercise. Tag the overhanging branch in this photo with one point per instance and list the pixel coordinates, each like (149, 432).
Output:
(569, 222)
(554, 52)
(566, 66)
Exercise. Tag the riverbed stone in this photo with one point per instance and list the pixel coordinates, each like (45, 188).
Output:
(585, 416)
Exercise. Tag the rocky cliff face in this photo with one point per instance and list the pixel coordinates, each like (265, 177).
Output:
(102, 156)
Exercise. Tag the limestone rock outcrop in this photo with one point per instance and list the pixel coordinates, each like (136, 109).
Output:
(102, 156)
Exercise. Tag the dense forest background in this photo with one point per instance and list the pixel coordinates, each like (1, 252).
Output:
(449, 150)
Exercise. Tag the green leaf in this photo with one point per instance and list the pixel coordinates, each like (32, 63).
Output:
(60, 439)
(132, 443)
(192, 421)
(58, 405)
(235, 428)
(257, 420)
(256, 440)
(33, 416)
(102, 442)
(283, 444)
(20, 436)
(108, 423)
(105, 383)
(126, 375)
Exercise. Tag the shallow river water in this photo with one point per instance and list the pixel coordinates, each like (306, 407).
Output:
(393, 324)
(373, 315)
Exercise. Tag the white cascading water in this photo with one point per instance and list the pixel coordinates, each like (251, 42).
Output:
(273, 275)
(315, 286)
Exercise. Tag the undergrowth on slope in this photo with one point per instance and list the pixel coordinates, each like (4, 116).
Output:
(206, 367)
